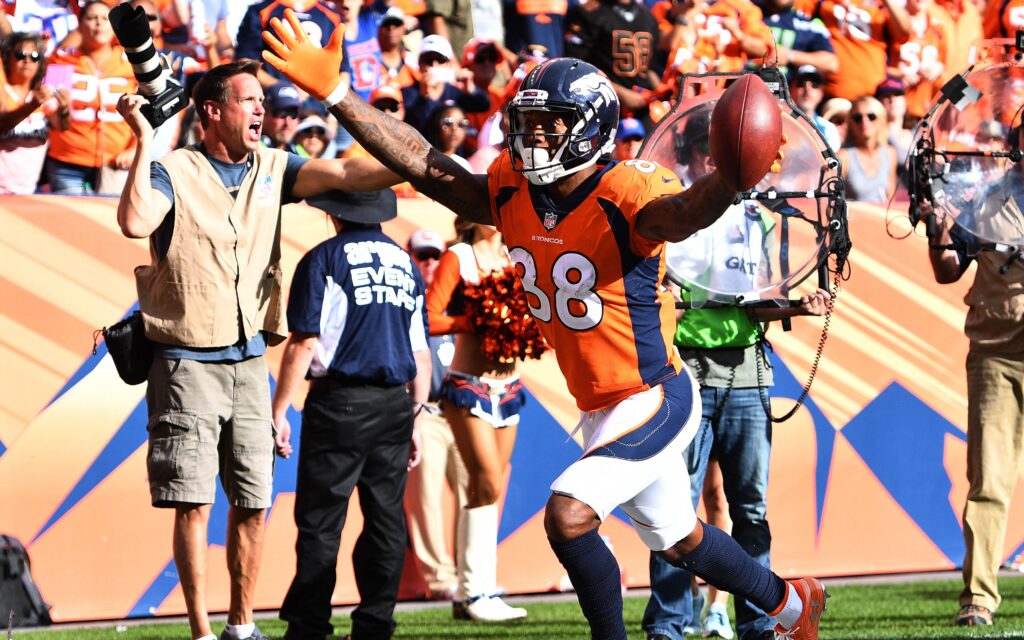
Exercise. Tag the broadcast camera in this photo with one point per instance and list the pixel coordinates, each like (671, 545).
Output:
(165, 96)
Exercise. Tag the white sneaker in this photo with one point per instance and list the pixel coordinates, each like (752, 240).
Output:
(493, 609)
(717, 624)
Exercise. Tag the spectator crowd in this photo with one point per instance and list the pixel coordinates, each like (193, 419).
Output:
(864, 71)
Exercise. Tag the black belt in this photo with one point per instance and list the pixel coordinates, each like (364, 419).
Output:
(338, 382)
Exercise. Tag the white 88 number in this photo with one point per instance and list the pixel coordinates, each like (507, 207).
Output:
(580, 289)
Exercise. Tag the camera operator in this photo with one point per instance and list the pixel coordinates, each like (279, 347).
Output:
(995, 383)
(211, 303)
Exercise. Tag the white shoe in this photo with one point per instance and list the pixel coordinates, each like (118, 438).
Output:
(717, 624)
(493, 609)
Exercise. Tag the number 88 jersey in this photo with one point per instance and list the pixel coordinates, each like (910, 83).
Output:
(592, 283)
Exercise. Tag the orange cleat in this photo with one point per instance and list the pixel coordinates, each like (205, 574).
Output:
(813, 594)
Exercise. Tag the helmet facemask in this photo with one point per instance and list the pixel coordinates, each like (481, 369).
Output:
(565, 153)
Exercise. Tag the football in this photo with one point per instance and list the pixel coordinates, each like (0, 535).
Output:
(745, 131)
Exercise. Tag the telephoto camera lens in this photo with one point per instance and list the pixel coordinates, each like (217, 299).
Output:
(165, 96)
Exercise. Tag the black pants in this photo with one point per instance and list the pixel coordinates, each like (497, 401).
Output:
(351, 437)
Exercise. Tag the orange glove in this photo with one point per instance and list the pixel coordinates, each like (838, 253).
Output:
(302, 61)
(777, 163)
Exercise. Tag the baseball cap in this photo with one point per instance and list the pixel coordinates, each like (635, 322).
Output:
(890, 87)
(282, 95)
(436, 44)
(475, 47)
(386, 92)
(630, 127)
(362, 207)
(808, 71)
(393, 14)
(311, 122)
(835, 106)
(425, 239)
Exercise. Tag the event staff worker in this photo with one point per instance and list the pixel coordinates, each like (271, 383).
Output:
(359, 331)
(211, 301)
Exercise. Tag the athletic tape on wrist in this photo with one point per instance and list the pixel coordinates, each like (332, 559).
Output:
(336, 96)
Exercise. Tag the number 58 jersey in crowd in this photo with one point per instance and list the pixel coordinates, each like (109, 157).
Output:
(592, 283)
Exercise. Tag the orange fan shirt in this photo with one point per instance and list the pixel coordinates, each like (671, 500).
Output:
(97, 132)
(593, 283)
(925, 48)
(961, 24)
(861, 37)
(1003, 18)
(715, 48)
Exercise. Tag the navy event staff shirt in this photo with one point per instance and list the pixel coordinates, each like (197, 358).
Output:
(361, 294)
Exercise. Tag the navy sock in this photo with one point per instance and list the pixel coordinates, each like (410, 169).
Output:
(723, 563)
(594, 573)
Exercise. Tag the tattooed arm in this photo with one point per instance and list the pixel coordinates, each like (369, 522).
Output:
(676, 217)
(403, 149)
(397, 145)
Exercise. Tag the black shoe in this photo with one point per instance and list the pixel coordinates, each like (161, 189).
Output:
(255, 635)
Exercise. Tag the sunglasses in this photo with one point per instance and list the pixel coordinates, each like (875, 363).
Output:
(814, 84)
(427, 253)
(387, 105)
(27, 55)
(859, 117)
(152, 17)
(838, 121)
(315, 131)
(432, 59)
(486, 58)
(286, 113)
(449, 123)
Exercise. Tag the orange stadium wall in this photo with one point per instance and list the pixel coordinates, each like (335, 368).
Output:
(868, 477)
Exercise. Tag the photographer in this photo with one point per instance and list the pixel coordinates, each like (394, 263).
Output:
(995, 384)
(211, 303)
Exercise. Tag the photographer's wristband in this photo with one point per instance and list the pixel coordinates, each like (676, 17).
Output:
(336, 96)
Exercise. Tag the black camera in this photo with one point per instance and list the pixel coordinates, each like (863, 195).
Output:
(165, 96)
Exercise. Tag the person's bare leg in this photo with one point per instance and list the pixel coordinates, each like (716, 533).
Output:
(189, 547)
(244, 551)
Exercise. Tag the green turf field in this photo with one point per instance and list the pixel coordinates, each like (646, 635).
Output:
(921, 609)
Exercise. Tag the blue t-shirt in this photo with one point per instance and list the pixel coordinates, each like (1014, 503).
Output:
(362, 53)
(543, 23)
(794, 30)
(318, 21)
(363, 297)
(419, 108)
(231, 175)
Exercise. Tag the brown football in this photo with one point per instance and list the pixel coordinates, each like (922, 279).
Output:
(745, 131)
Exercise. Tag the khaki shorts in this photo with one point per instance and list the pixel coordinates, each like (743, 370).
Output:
(206, 418)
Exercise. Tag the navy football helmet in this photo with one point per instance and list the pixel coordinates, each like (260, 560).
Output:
(584, 98)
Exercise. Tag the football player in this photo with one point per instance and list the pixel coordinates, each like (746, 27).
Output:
(587, 237)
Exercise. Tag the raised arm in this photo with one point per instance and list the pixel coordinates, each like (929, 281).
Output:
(677, 217)
(363, 174)
(141, 208)
(397, 145)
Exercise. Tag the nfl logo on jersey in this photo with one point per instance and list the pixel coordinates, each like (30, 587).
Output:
(550, 220)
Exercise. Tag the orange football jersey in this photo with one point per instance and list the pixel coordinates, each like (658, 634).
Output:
(714, 47)
(861, 36)
(97, 133)
(926, 46)
(593, 284)
(1003, 18)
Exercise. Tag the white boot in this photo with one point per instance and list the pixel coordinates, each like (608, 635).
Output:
(476, 566)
